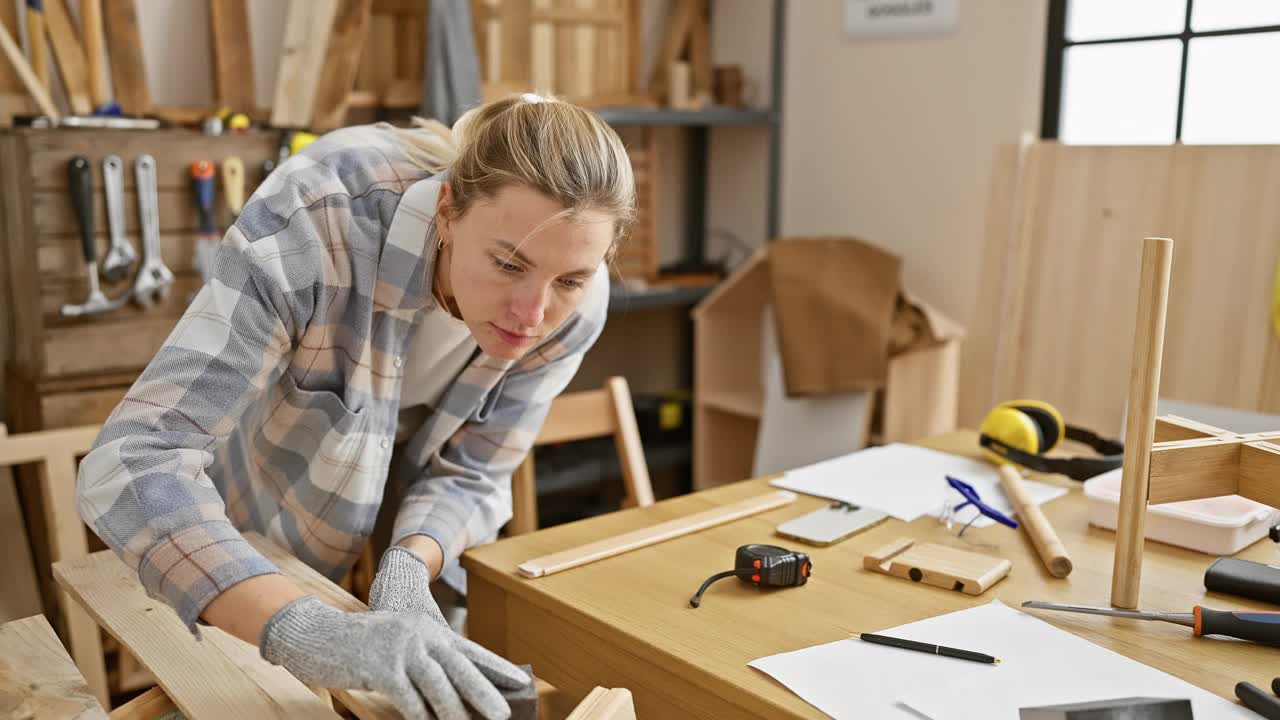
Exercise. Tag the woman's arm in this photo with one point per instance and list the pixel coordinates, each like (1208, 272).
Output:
(244, 608)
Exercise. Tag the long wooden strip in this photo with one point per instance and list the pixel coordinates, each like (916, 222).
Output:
(341, 63)
(232, 54)
(36, 446)
(218, 676)
(40, 681)
(1140, 424)
(29, 79)
(70, 56)
(306, 38)
(91, 24)
(1048, 545)
(128, 68)
(653, 535)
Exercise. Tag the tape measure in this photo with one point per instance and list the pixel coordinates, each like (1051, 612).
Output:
(763, 566)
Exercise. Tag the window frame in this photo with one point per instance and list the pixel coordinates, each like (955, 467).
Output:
(1057, 44)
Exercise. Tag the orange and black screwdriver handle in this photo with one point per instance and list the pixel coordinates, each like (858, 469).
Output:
(763, 566)
(202, 185)
(1259, 627)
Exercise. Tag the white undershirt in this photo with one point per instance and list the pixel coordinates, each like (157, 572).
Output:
(440, 348)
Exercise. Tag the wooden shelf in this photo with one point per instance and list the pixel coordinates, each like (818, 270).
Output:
(709, 117)
(746, 403)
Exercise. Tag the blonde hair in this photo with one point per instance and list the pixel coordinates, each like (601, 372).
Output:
(556, 148)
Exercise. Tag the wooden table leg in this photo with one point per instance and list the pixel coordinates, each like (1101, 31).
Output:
(487, 614)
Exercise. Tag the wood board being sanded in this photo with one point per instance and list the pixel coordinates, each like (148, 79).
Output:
(218, 676)
(573, 557)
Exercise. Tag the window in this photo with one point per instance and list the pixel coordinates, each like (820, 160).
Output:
(1161, 71)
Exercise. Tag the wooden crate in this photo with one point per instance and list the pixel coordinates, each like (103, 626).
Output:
(584, 51)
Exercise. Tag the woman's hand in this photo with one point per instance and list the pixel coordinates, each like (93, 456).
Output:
(422, 667)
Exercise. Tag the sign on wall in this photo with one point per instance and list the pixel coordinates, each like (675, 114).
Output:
(888, 18)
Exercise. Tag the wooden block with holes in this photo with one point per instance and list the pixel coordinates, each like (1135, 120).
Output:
(938, 565)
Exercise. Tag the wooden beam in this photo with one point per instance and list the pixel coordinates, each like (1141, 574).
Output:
(578, 416)
(1260, 472)
(128, 67)
(232, 54)
(70, 56)
(91, 24)
(1172, 427)
(1193, 470)
(341, 63)
(40, 681)
(36, 446)
(306, 37)
(150, 705)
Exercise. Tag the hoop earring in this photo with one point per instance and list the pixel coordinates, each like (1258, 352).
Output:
(440, 244)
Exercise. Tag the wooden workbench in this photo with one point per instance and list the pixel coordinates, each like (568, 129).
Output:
(626, 621)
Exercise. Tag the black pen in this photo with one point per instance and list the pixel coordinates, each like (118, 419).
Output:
(927, 648)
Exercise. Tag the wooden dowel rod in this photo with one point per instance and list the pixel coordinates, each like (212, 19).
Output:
(1048, 545)
(1140, 423)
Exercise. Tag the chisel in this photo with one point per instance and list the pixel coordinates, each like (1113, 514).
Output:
(1255, 626)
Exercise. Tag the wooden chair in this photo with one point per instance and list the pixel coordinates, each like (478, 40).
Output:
(578, 416)
(55, 453)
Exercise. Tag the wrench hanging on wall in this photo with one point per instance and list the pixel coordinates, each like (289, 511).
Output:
(154, 277)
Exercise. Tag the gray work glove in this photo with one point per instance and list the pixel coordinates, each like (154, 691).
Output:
(420, 666)
(403, 584)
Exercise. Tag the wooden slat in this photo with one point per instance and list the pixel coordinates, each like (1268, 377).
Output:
(54, 215)
(70, 56)
(673, 44)
(341, 61)
(24, 289)
(59, 259)
(1171, 427)
(91, 22)
(1260, 472)
(381, 49)
(128, 67)
(32, 447)
(37, 678)
(174, 151)
(34, 87)
(306, 38)
(11, 86)
(105, 345)
(232, 54)
(635, 472)
(20, 592)
(602, 704)
(524, 499)
(580, 415)
(150, 705)
(1193, 470)
(218, 676)
(643, 537)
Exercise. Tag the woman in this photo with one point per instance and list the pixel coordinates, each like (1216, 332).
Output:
(444, 283)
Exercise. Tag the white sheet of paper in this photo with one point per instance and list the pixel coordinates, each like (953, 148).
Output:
(1040, 665)
(907, 481)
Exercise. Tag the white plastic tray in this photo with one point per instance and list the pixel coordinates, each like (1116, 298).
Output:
(1217, 526)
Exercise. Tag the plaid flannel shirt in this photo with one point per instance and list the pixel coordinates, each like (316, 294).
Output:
(273, 404)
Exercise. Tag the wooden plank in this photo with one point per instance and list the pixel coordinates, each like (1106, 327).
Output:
(1171, 427)
(673, 44)
(381, 50)
(341, 61)
(150, 705)
(70, 56)
(1193, 471)
(24, 72)
(700, 54)
(366, 705)
(574, 557)
(173, 149)
(515, 39)
(19, 239)
(104, 345)
(217, 676)
(306, 38)
(11, 85)
(232, 54)
(542, 37)
(128, 66)
(37, 678)
(1260, 472)
(91, 22)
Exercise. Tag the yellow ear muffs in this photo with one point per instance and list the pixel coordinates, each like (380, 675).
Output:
(1032, 426)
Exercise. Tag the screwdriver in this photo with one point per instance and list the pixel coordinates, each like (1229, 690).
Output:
(1255, 626)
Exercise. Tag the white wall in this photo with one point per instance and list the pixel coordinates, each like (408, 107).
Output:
(892, 140)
